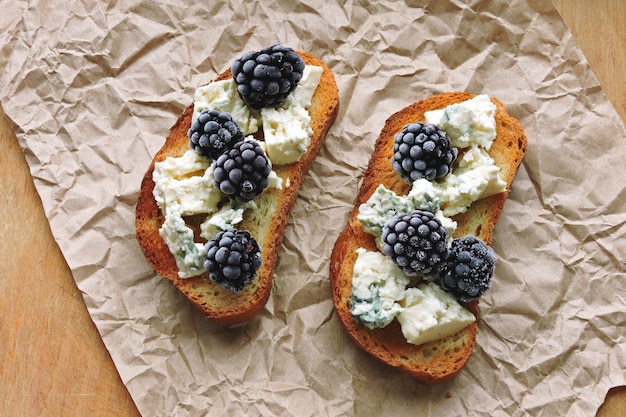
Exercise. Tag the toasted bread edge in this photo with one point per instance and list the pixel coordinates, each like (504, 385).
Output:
(216, 303)
(440, 360)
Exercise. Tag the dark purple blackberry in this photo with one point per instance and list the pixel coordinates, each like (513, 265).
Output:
(232, 259)
(242, 172)
(422, 151)
(469, 268)
(265, 78)
(213, 133)
(417, 243)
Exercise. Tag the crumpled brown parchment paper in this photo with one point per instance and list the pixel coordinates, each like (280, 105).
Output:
(95, 87)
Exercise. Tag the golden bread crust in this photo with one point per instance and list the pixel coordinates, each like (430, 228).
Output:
(267, 223)
(440, 360)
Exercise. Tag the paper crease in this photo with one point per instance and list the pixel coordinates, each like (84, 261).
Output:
(95, 87)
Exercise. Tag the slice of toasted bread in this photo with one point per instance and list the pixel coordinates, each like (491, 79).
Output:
(266, 223)
(439, 360)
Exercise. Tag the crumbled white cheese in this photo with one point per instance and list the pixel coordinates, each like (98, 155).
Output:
(186, 181)
(226, 218)
(188, 254)
(377, 286)
(467, 123)
(184, 185)
(476, 177)
(222, 96)
(384, 204)
(380, 294)
(426, 312)
(287, 129)
(430, 313)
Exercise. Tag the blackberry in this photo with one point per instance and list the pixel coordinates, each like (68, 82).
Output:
(213, 132)
(469, 268)
(265, 78)
(232, 259)
(242, 172)
(417, 243)
(422, 151)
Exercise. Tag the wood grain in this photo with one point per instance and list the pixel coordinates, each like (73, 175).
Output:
(52, 359)
(51, 368)
(598, 29)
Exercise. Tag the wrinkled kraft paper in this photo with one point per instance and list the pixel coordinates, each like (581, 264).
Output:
(109, 80)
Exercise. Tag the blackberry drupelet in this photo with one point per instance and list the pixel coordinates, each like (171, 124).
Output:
(232, 259)
(265, 78)
(417, 243)
(422, 151)
(213, 133)
(242, 172)
(469, 268)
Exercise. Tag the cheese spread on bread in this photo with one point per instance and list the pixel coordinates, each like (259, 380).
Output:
(425, 311)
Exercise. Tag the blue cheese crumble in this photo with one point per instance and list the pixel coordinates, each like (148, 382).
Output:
(380, 290)
(380, 294)
(287, 129)
(377, 287)
(184, 185)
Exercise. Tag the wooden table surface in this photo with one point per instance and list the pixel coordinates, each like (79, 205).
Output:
(50, 369)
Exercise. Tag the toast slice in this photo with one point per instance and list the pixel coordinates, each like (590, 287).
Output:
(266, 223)
(439, 360)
